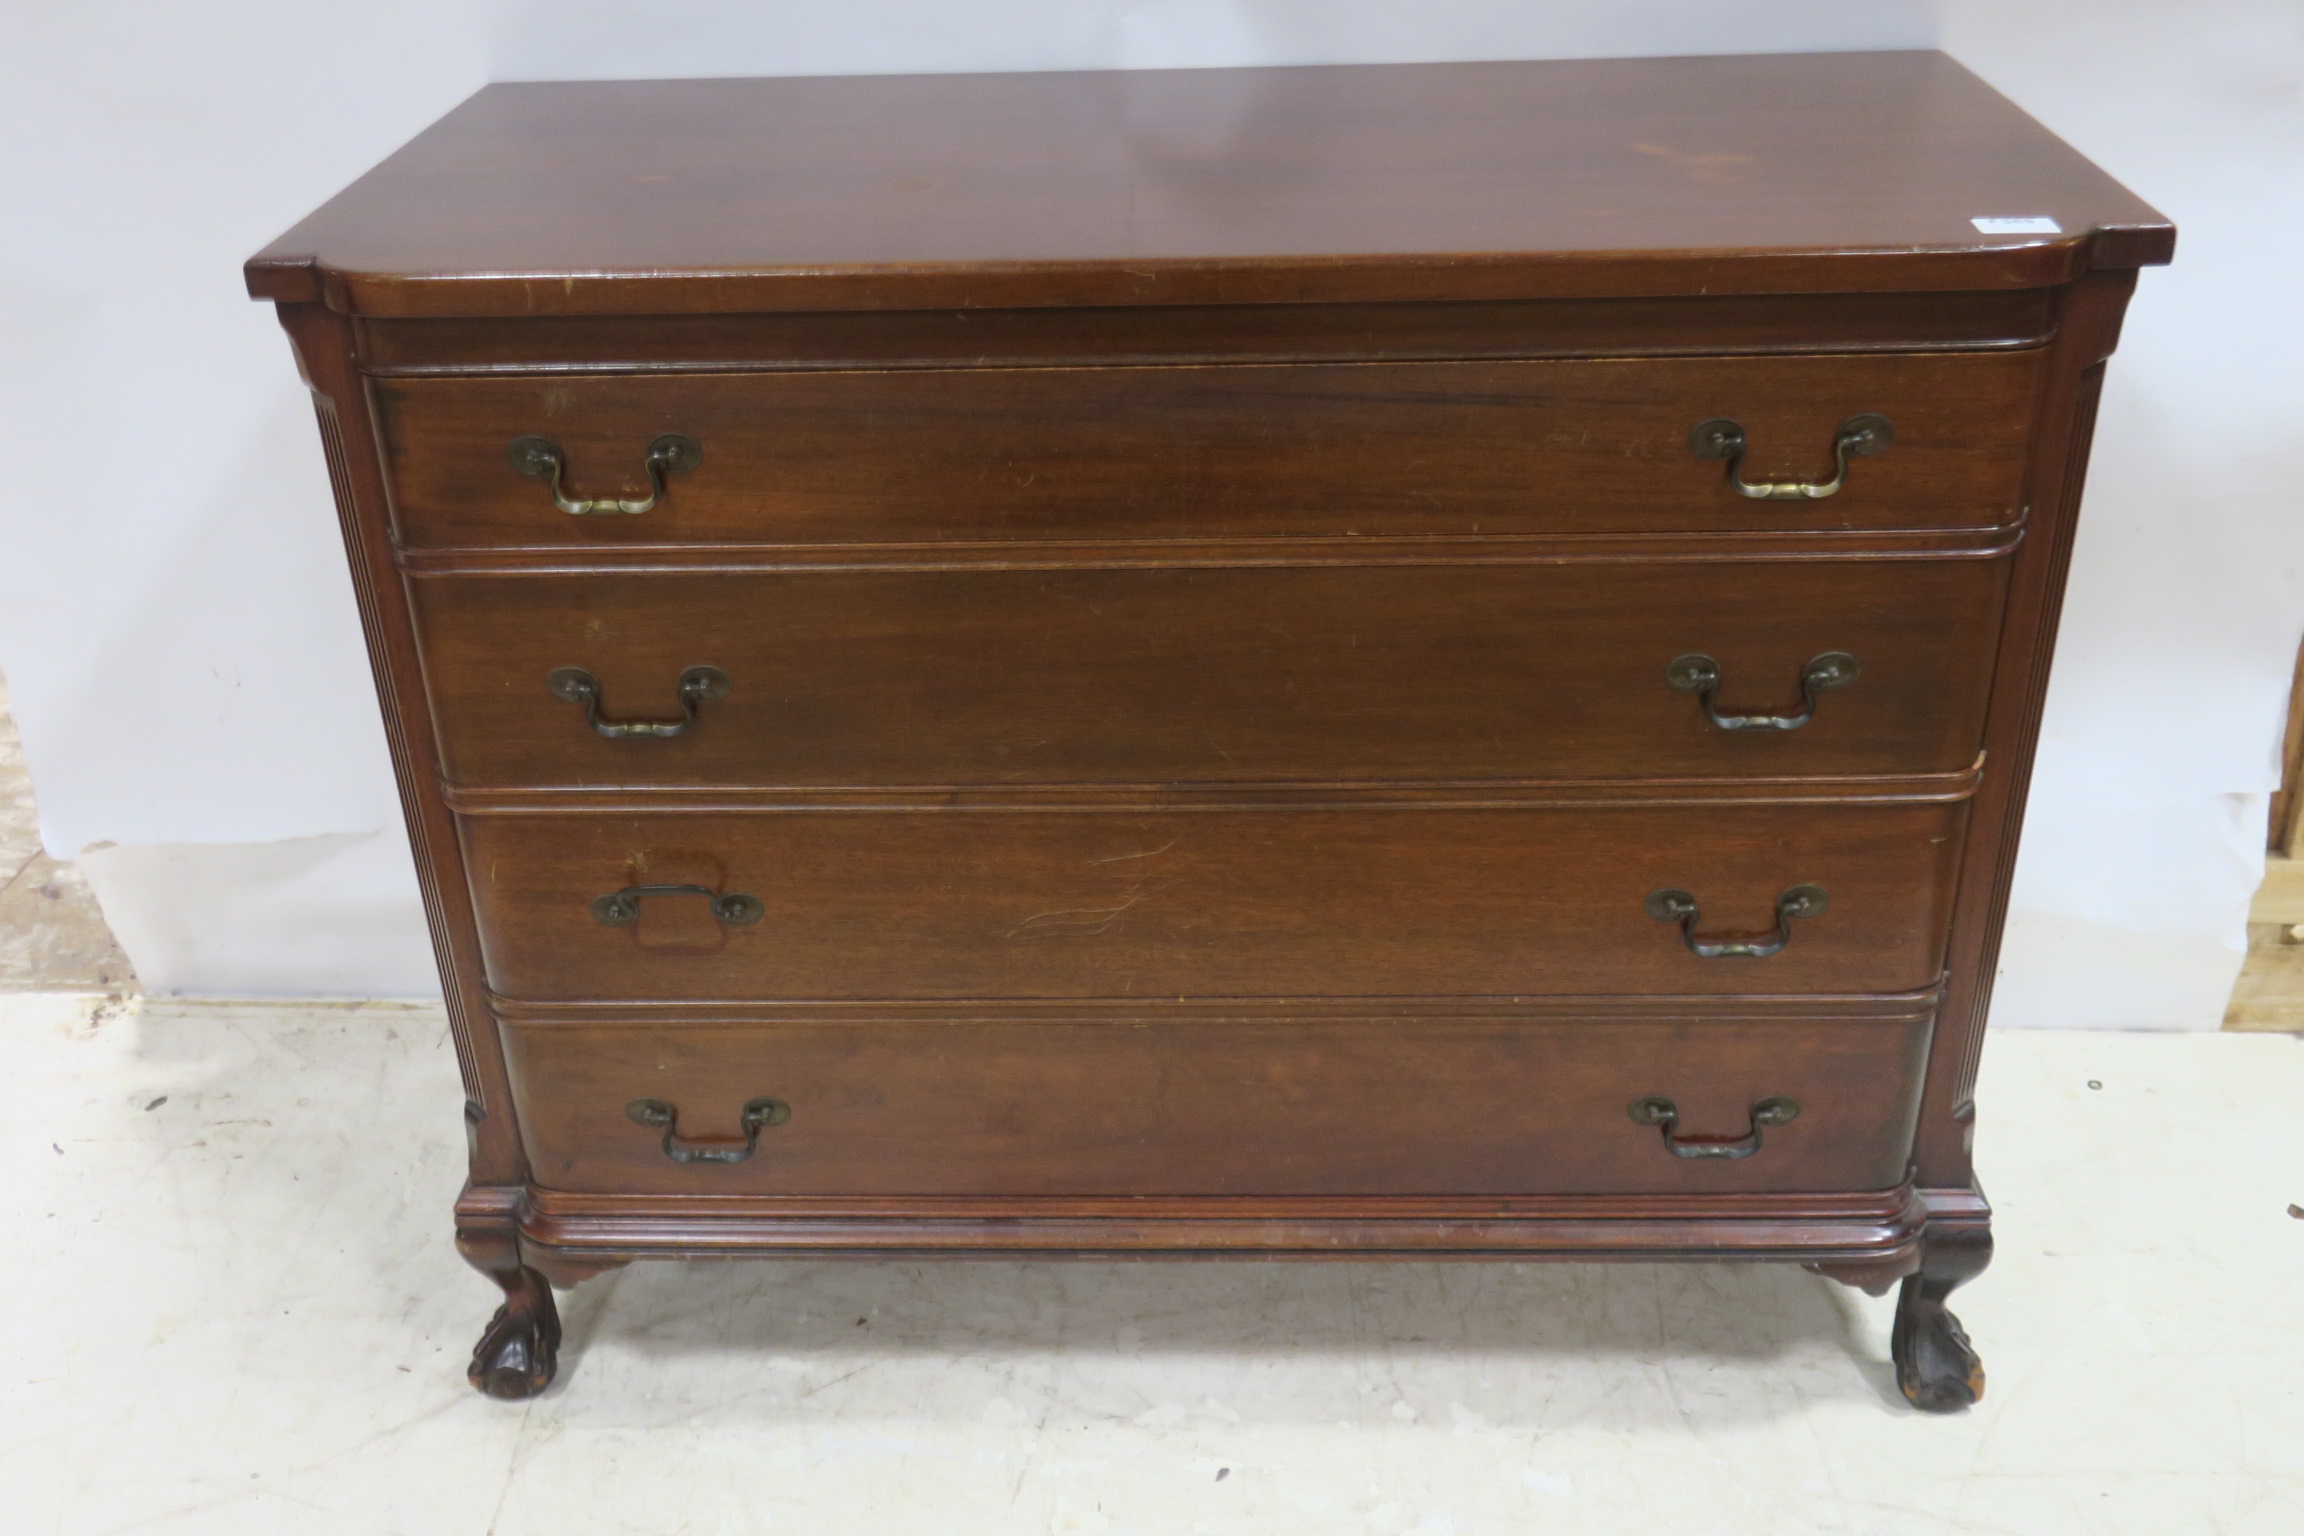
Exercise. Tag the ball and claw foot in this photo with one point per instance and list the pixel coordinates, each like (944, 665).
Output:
(520, 1351)
(1936, 1366)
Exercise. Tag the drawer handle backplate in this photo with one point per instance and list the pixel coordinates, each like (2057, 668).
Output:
(696, 685)
(1700, 675)
(543, 458)
(758, 1114)
(619, 909)
(1659, 1111)
(1673, 906)
(1859, 437)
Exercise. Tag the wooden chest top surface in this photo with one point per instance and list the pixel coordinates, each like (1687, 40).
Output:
(1746, 174)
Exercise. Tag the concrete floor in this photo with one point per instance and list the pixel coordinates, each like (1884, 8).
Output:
(232, 1306)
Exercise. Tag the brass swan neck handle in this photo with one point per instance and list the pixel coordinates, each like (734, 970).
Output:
(1661, 1112)
(696, 686)
(544, 459)
(1859, 437)
(1700, 674)
(1676, 906)
(758, 1114)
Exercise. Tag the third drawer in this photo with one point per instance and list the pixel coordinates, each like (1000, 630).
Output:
(1236, 902)
(1156, 676)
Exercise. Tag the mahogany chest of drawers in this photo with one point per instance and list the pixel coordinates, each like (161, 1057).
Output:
(1424, 661)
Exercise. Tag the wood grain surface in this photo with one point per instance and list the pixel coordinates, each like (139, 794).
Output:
(1179, 333)
(1220, 903)
(1445, 674)
(942, 456)
(1221, 1108)
(1783, 173)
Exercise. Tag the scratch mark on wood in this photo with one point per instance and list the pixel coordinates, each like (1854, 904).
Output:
(1077, 922)
(1155, 853)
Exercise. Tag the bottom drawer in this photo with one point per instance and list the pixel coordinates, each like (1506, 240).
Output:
(1489, 1107)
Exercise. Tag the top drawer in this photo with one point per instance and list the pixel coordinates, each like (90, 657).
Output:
(944, 455)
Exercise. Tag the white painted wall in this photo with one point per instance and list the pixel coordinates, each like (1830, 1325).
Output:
(179, 633)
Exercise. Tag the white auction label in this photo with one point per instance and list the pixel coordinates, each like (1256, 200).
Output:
(2035, 225)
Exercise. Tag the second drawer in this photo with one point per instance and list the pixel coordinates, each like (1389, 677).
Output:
(1104, 676)
(1213, 903)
